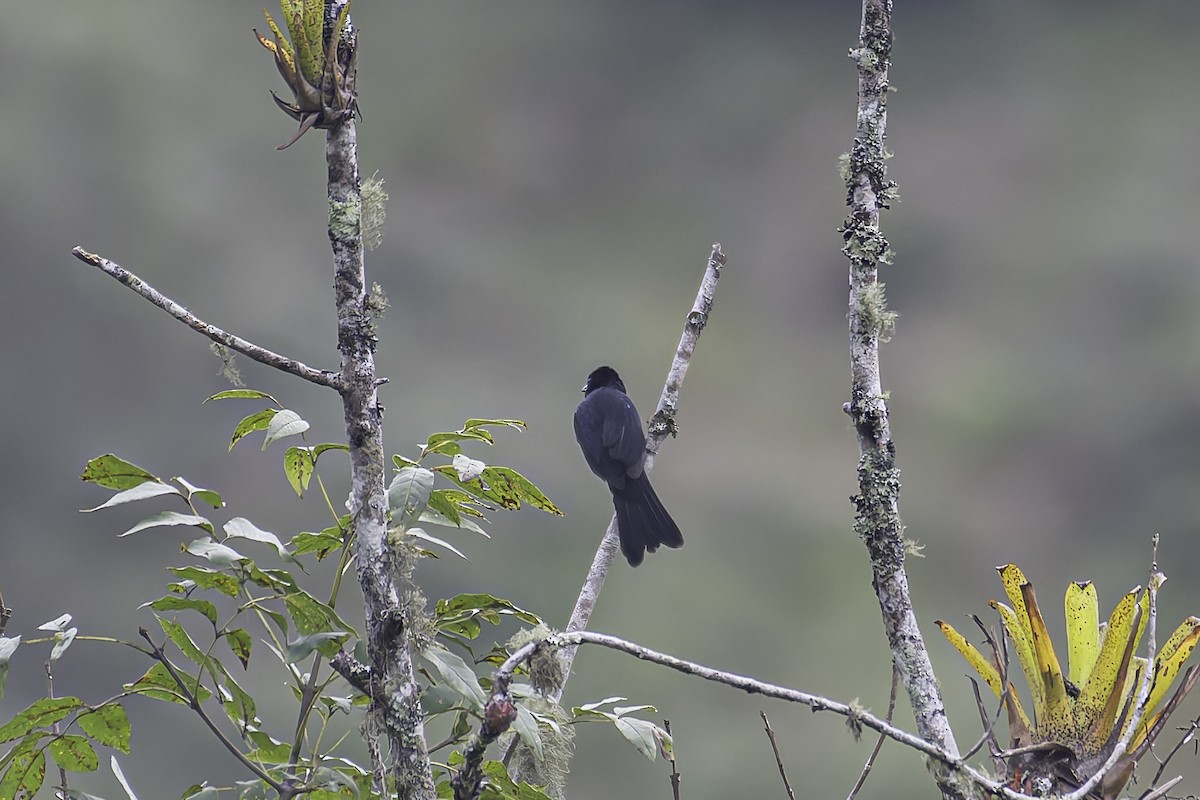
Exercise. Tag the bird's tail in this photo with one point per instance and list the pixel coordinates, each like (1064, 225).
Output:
(642, 522)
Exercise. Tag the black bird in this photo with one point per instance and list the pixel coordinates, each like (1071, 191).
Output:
(609, 432)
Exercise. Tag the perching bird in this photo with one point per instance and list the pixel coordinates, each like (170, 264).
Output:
(609, 432)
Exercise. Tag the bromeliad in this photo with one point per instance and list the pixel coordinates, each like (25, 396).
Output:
(318, 62)
(1079, 718)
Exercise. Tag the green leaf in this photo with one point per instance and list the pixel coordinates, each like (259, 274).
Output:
(640, 733)
(252, 423)
(313, 616)
(459, 613)
(24, 776)
(242, 528)
(142, 491)
(422, 535)
(322, 543)
(214, 551)
(239, 642)
(457, 675)
(167, 518)
(112, 472)
(527, 729)
(441, 502)
(173, 603)
(285, 423)
(408, 495)
(74, 753)
(501, 485)
(204, 793)
(207, 495)
(157, 683)
(242, 394)
(305, 645)
(108, 725)
(240, 707)
(298, 466)
(209, 579)
(40, 714)
(179, 635)
(268, 750)
(515, 487)
(494, 423)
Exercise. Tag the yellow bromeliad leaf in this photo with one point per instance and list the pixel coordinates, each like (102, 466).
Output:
(1013, 579)
(975, 658)
(1083, 630)
(1174, 652)
(984, 667)
(1100, 698)
(284, 46)
(1054, 723)
(1151, 727)
(1023, 644)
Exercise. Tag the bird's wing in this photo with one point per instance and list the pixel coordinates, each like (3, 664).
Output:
(622, 434)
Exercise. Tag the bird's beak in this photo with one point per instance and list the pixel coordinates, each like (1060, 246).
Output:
(584, 389)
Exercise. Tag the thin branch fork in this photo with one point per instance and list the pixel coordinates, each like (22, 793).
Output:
(236, 343)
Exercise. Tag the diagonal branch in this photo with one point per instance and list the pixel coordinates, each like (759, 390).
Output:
(661, 425)
(248, 349)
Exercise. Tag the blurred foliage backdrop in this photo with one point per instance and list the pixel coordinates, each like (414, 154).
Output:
(557, 174)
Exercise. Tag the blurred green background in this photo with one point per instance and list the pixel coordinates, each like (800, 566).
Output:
(557, 173)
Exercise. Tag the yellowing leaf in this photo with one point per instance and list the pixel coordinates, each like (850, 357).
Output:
(984, 667)
(1170, 659)
(1083, 630)
(975, 658)
(1055, 725)
(1100, 700)
(1023, 643)
(1102, 681)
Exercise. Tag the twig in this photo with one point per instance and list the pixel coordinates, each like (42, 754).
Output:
(1161, 791)
(5, 614)
(62, 771)
(248, 349)
(1188, 734)
(676, 778)
(862, 778)
(194, 703)
(661, 424)
(787, 785)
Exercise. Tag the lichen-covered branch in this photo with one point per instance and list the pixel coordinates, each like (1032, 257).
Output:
(877, 519)
(395, 711)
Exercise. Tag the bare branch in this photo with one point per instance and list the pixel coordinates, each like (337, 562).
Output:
(951, 763)
(866, 770)
(676, 778)
(248, 349)
(787, 785)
